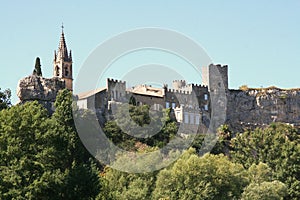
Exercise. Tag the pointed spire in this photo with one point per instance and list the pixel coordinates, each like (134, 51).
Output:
(62, 48)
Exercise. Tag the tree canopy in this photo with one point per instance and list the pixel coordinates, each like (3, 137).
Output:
(278, 146)
(42, 157)
(5, 99)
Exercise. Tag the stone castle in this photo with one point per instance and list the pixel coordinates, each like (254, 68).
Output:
(192, 105)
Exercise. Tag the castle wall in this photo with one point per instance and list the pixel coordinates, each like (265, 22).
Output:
(191, 95)
(147, 99)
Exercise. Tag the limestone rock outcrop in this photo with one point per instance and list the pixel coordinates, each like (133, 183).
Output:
(258, 107)
(44, 90)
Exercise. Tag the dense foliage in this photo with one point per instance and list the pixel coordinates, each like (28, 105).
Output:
(5, 99)
(140, 116)
(278, 146)
(42, 157)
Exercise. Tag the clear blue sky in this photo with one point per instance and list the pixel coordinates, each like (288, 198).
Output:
(259, 40)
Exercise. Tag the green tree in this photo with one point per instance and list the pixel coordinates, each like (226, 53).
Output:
(139, 116)
(37, 67)
(278, 146)
(260, 173)
(274, 190)
(5, 99)
(207, 177)
(128, 186)
(42, 157)
(81, 178)
(24, 175)
(262, 184)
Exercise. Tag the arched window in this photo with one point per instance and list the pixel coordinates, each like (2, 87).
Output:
(57, 70)
(66, 70)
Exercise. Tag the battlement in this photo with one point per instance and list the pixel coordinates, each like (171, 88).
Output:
(179, 91)
(198, 85)
(220, 66)
(180, 81)
(116, 81)
(179, 84)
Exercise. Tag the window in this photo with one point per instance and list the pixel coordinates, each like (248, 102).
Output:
(205, 97)
(186, 118)
(173, 105)
(156, 106)
(57, 70)
(197, 119)
(206, 107)
(178, 114)
(191, 118)
(66, 71)
(116, 94)
(167, 105)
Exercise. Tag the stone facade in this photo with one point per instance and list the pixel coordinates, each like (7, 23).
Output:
(202, 105)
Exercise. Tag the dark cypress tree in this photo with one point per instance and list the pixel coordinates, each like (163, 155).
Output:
(37, 68)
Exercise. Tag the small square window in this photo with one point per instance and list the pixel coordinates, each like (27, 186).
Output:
(205, 97)
(206, 107)
(173, 105)
(167, 105)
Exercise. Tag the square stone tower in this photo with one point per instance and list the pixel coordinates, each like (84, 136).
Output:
(215, 77)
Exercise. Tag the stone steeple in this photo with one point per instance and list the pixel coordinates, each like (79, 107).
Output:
(62, 63)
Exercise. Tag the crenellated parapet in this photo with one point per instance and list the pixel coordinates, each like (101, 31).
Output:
(179, 84)
(198, 85)
(179, 91)
(116, 81)
(116, 89)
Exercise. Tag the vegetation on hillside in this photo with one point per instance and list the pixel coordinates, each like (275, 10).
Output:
(42, 157)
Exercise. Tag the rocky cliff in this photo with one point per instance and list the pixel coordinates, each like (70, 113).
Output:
(258, 107)
(44, 90)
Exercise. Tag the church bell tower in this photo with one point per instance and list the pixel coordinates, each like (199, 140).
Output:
(62, 63)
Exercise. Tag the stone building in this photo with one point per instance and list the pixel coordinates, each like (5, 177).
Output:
(198, 105)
